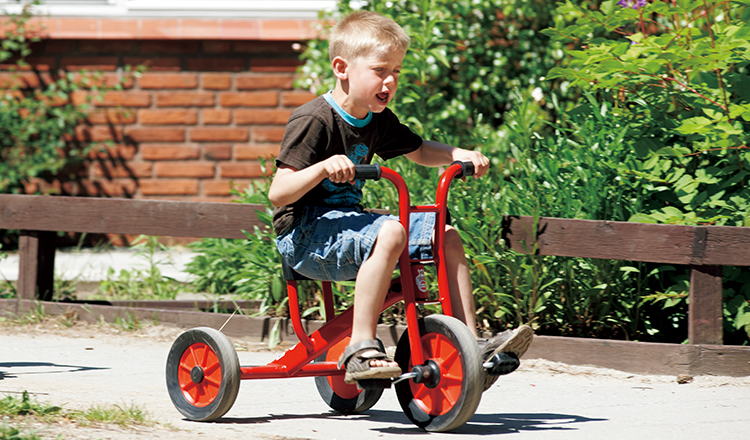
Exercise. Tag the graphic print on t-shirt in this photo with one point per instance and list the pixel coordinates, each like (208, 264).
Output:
(346, 194)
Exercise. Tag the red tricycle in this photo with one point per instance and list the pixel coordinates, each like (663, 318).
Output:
(443, 373)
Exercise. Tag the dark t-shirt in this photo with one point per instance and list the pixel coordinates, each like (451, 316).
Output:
(321, 129)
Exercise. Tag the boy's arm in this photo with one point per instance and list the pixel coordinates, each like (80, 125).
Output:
(433, 154)
(290, 184)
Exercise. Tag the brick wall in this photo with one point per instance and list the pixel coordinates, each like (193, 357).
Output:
(190, 127)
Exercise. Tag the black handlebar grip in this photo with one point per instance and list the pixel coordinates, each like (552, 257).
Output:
(367, 172)
(467, 168)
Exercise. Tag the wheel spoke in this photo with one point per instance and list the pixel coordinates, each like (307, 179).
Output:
(448, 396)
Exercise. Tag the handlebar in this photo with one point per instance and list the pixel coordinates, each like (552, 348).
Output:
(467, 169)
(373, 171)
(367, 172)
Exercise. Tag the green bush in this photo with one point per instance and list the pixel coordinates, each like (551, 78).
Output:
(37, 124)
(675, 78)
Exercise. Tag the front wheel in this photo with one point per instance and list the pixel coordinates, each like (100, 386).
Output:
(450, 400)
(203, 374)
(340, 396)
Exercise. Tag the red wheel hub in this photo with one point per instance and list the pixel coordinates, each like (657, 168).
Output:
(199, 374)
(439, 400)
(341, 388)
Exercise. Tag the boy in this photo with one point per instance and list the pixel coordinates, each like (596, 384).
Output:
(323, 233)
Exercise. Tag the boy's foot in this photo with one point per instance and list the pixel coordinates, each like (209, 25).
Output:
(365, 360)
(510, 345)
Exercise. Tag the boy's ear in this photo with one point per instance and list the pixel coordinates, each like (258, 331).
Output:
(340, 67)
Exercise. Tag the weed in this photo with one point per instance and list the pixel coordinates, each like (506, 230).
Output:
(12, 433)
(142, 284)
(128, 323)
(28, 408)
(112, 414)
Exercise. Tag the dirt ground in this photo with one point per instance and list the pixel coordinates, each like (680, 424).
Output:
(169, 425)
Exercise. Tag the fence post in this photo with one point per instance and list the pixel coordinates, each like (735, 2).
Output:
(705, 312)
(36, 265)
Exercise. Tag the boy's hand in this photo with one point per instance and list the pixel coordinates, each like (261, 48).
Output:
(480, 161)
(338, 169)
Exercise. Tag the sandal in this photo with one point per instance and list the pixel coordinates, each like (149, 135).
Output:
(357, 359)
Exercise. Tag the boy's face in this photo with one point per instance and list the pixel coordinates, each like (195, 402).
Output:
(372, 83)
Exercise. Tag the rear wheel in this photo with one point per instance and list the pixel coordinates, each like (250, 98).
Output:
(340, 396)
(203, 374)
(451, 398)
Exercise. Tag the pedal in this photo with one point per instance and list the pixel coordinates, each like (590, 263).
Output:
(502, 363)
(373, 384)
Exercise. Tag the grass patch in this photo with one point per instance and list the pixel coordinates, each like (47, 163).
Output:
(26, 409)
(123, 416)
(13, 433)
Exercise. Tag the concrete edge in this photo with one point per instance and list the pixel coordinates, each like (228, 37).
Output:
(627, 356)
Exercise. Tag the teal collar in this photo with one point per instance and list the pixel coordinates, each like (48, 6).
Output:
(351, 120)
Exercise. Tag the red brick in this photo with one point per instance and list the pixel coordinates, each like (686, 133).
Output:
(217, 187)
(217, 46)
(216, 64)
(249, 99)
(247, 170)
(118, 169)
(185, 99)
(112, 116)
(264, 116)
(168, 117)
(223, 187)
(126, 80)
(295, 98)
(168, 187)
(219, 135)
(169, 152)
(155, 64)
(216, 81)
(184, 169)
(267, 134)
(275, 65)
(161, 134)
(217, 152)
(19, 80)
(109, 187)
(216, 116)
(256, 151)
(43, 64)
(255, 82)
(98, 133)
(117, 151)
(104, 64)
(169, 46)
(168, 81)
(124, 99)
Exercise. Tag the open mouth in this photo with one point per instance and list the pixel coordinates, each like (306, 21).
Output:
(382, 97)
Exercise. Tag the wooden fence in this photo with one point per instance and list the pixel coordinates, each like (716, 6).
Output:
(704, 249)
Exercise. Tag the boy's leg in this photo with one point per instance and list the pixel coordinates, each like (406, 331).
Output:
(372, 284)
(462, 300)
(459, 279)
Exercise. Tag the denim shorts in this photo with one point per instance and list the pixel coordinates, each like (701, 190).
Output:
(331, 244)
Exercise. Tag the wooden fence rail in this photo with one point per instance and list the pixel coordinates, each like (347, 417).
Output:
(704, 249)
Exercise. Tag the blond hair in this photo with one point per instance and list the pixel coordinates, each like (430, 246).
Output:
(365, 33)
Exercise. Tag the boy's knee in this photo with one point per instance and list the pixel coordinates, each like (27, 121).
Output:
(392, 235)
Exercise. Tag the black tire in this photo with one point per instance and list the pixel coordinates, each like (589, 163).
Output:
(455, 397)
(203, 374)
(342, 397)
